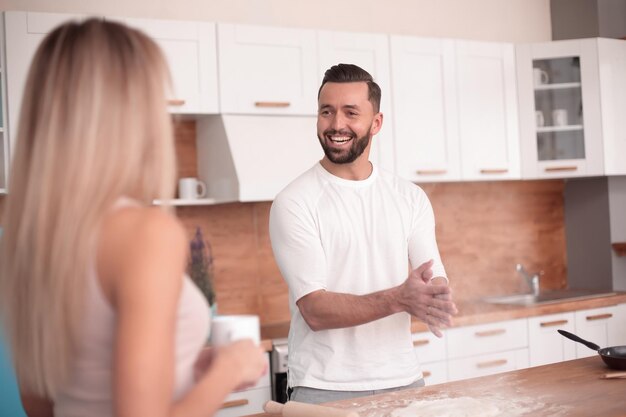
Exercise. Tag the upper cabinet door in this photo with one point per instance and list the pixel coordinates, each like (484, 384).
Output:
(190, 50)
(424, 104)
(267, 70)
(561, 122)
(24, 31)
(488, 116)
(370, 52)
(612, 61)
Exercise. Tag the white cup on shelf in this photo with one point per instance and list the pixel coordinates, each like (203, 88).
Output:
(540, 121)
(559, 117)
(191, 188)
(540, 77)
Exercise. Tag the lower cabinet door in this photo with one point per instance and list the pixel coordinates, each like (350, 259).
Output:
(489, 364)
(545, 344)
(243, 403)
(435, 372)
(594, 325)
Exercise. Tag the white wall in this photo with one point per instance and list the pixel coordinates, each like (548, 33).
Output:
(492, 20)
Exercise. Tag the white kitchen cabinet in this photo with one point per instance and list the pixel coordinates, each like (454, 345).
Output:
(561, 110)
(243, 403)
(370, 52)
(435, 372)
(594, 325)
(488, 114)
(488, 364)
(267, 70)
(23, 31)
(424, 109)
(455, 105)
(612, 67)
(428, 347)
(617, 327)
(190, 50)
(431, 353)
(486, 349)
(545, 344)
(248, 401)
(486, 338)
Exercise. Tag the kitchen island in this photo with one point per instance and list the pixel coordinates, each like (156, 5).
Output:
(571, 388)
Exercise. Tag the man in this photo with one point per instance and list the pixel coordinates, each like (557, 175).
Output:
(343, 235)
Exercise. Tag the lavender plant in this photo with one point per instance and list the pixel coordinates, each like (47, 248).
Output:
(200, 266)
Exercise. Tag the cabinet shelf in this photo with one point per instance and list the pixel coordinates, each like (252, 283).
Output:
(568, 128)
(183, 202)
(619, 248)
(3, 191)
(558, 86)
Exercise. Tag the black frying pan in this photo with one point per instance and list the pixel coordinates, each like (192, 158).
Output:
(614, 356)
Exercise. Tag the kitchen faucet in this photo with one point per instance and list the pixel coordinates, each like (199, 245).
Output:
(532, 280)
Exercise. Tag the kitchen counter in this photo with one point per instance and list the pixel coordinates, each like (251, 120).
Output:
(477, 312)
(571, 388)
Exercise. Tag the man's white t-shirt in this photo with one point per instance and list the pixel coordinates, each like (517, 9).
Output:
(353, 237)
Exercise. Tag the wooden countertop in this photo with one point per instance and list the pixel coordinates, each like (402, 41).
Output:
(477, 312)
(571, 388)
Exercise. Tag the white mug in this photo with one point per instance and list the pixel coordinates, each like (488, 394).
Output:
(559, 117)
(191, 188)
(229, 328)
(539, 119)
(540, 76)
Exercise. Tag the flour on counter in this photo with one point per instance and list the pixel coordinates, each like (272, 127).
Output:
(509, 404)
(450, 407)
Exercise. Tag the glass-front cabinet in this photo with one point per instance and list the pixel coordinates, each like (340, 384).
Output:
(560, 109)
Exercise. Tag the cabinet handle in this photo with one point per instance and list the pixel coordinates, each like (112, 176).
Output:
(421, 342)
(553, 323)
(494, 171)
(494, 332)
(272, 103)
(426, 374)
(492, 364)
(235, 403)
(599, 317)
(556, 169)
(431, 171)
(176, 102)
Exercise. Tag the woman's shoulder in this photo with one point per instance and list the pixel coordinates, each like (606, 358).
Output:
(133, 240)
(133, 223)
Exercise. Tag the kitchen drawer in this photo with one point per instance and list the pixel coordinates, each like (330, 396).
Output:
(244, 403)
(617, 328)
(429, 347)
(489, 364)
(545, 344)
(487, 338)
(594, 325)
(435, 372)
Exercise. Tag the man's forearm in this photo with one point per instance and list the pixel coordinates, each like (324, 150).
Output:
(324, 310)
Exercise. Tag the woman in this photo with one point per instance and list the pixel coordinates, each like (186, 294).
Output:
(100, 316)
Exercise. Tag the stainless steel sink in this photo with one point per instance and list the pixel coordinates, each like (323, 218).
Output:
(548, 297)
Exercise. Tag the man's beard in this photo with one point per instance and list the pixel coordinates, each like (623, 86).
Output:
(342, 156)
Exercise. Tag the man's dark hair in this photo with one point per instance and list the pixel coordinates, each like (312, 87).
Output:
(349, 73)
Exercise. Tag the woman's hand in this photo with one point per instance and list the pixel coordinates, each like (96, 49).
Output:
(203, 361)
(244, 357)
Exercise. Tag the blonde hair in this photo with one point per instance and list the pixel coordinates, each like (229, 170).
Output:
(93, 127)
